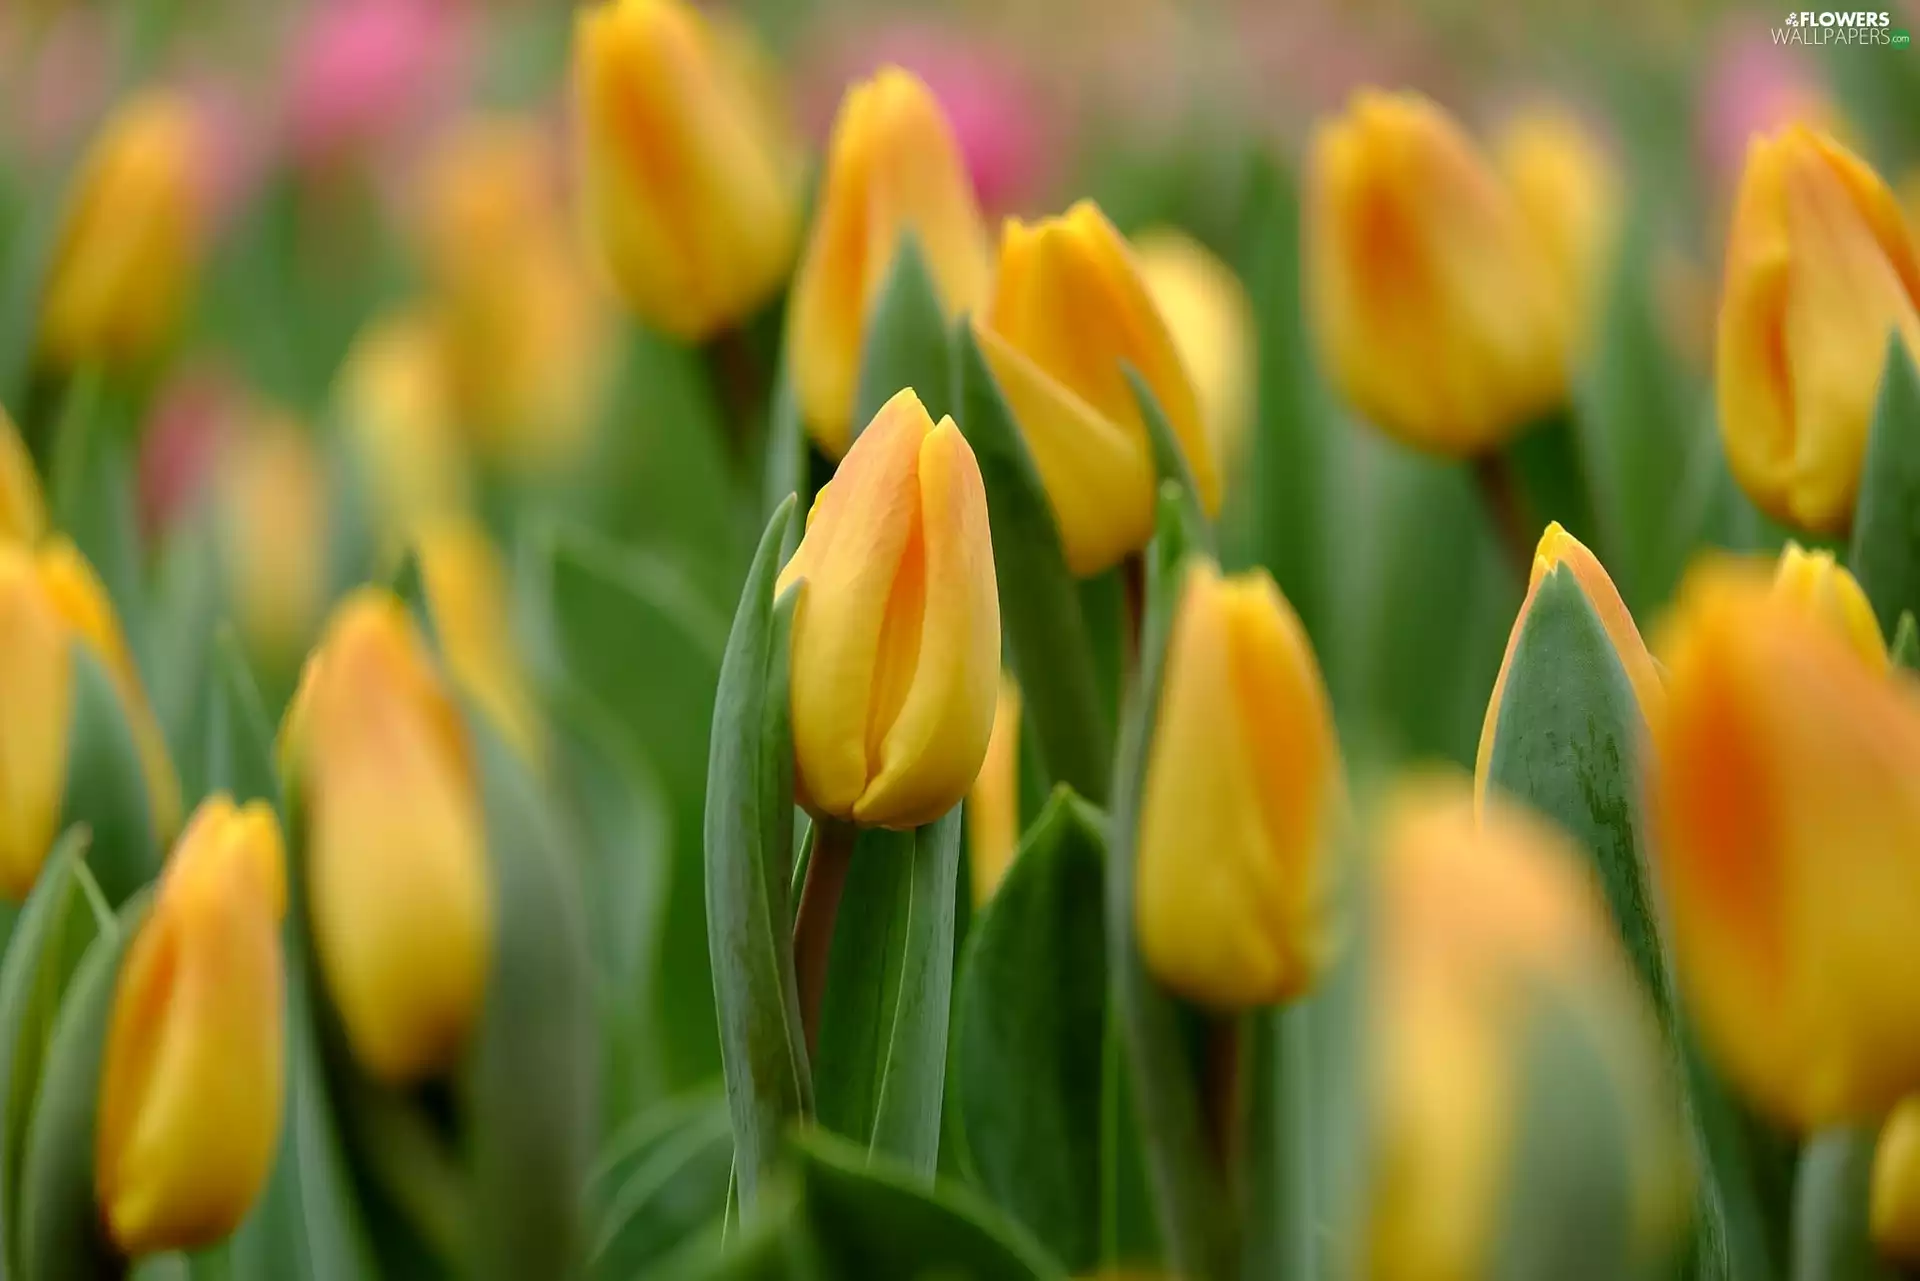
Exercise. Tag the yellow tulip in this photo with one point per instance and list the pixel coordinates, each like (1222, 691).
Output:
(23, 515)
(896, 637)
(1822, 589)
(993, 806)
(1437, 308)
(893, 168)
(1820, 270)
(1894, 1199)
(1486, 926)
(1069, 311)
(36, 689)
(191, 1094)
(395, 399)
(397, 873)
(688, 183)
(1557, 547)
(1786, 813)
(1211, 320)
(467, 597)
(274, 498)
(1243, 787)
(1569, 192)
(129, 247)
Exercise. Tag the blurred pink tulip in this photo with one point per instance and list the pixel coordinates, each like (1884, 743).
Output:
(192, 413)
(364, 71)
(1754, 86)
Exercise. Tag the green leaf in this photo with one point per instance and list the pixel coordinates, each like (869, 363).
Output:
(1885, 556)
(661, 1182)
(529, 1076)
(1282, 1225)
(1048, 642)
(61, 1234)
(638, 637)
(1170, 465)
(54, 928)
(873, 1218)
(881, 1068)
(106, 787)
(1905, 649)
(30, 247)
(1029, 1026)
(1831, 1238)
(906, 341)
(749, 845)
(239, 746)
(91, 495)
(786, 461)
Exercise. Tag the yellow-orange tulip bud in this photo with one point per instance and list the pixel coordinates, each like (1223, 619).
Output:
(23, 514)
(1243, 789)
(1786, 812)
(274, 500)
(1894, 1199)
(687, 181)
(1820, 270)
(36, 689)
(190, 1095)
(1069, 312)
(1557, 547)
(893, 169)
(130, 245)
(1821, 588)
(1211, 320)
(993, 806)
(1436, 306)
(395, 398)
(468, 598)
(397, 875)
(896, 639)
(1569, 193)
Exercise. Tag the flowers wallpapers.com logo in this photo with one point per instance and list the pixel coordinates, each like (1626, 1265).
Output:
(1835, 27)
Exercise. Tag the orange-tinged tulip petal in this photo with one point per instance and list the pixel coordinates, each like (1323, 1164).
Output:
(467, 595)
(993, 806)
(23, 514)
(1823, 589)
(896, 639)
(1069, 313)
(274, 500)
(1787, 816)
(1569, 192)
(395, 398)
(1436, 306)
(191, 1093)
(1211, 319)
(1242, 789)
(1820, 270)
(893, 169)
(397, 875)
(1894, 1199)
(688, 186)
(1557, 547)
(36, 689)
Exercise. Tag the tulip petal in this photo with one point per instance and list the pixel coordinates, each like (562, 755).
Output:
(36, 689)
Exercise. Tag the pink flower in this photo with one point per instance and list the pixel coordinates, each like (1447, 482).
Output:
(1755, 86)
(365, 70)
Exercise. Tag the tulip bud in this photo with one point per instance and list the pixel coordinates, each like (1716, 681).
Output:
(1820, 269)
(395, 399)
(1069, 312)
(1786, 809)
(1557, 547)
(23, 515)
(397, 876)
(896, 637)
(1435, 304)
(36, 690)
(893, 168)
(993, 806)
(129, 247)
(1820, 588)
(190, 1092)
(688, 185)
(1493, 945)
(1243, 787)
(1211, 321)
(273, 496)
(1894, 1199)
(1569, 193)
(467, 596)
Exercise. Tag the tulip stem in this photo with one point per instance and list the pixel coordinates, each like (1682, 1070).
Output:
(103, 917)
(1500, 491)
(813, 922)
(1220, 1094)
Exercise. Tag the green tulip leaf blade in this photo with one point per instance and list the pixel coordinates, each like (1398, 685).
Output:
(1885, 555)
(907, 344)
(1905, 649)
(749, 844)
(1170, 464)
(106, 784)
(1029, 1026)
(1831, 1236)
(660, 1182)
(1049, 644)
(239, 757)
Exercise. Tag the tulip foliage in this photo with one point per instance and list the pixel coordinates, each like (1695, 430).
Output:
(595, 687)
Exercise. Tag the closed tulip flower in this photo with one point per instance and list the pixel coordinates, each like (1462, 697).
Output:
(1821, 588)
(23, 514)
(1569, 192)
(1557, 548)
(191, 1093)
(395, 399)
(1437, 308)
(1211, 320)
(1069, 312)
(1243, 789)
(688, 182)
(468, 597)
(993, 806)
(1786, 810)
(1894, 1198)
(896, 639)
(130, 245)
(893, 170)
(36, 689)
(397, 876)
(1820, 270)
(274, 503)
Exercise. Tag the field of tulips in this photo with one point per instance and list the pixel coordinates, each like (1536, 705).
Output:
(993, 641)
